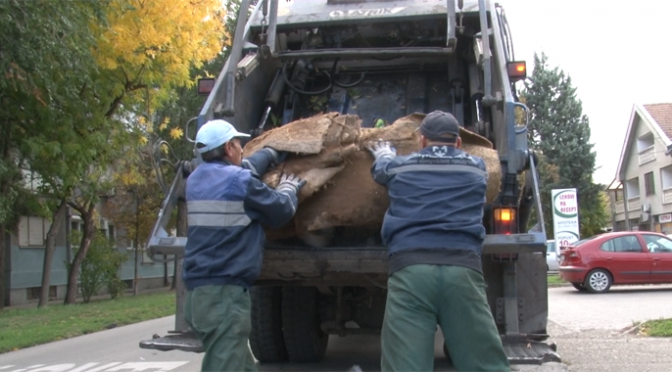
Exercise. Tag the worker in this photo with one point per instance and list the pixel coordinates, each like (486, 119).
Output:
(227, 204)
(434, 233)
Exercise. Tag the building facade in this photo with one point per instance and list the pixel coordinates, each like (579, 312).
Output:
(641, 193)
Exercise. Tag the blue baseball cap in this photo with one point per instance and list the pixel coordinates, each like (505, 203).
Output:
(214, 134)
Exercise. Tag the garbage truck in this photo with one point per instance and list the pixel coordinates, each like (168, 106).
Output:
(379, 60)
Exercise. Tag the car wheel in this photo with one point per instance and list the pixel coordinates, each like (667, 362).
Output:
(597, 281)
(579, 287)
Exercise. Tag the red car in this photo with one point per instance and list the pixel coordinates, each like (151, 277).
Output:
(628, 257)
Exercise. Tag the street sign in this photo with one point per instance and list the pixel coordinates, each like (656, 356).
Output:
(565, 217)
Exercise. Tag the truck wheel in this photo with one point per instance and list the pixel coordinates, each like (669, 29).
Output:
(301, 325)
(266, 339)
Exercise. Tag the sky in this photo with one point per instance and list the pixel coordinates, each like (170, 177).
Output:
(617, 53)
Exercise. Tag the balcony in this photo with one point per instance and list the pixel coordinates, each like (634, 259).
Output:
(667, 196)
(647, 156)
(620, 206)
(634, 205)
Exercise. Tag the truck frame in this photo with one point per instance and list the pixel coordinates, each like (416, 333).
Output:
(379, 60)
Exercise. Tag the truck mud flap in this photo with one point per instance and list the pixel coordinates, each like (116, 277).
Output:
(530, 352)
(186, 341)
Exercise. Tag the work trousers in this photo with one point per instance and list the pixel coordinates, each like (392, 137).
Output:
(220, 315)
(421, 296)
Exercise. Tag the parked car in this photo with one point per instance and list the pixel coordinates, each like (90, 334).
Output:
(552, 259)
(629, 257)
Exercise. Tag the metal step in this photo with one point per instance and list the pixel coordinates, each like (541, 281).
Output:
(518, 352)
(530, 352)
(186, 341)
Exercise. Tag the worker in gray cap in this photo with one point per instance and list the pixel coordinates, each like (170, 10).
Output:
(227, 204)
(434, 233)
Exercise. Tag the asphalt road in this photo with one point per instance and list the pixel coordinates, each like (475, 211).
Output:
(589, 331)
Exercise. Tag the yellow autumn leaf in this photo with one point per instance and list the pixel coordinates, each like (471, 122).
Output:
(143, 140)
(164, 124)
(157, 43)
(176, 133)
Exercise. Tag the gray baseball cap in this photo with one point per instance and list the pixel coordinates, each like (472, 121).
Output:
(440, 126)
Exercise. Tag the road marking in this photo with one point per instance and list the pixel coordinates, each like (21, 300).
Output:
(28, 368)
(109, 367)
(143, 366)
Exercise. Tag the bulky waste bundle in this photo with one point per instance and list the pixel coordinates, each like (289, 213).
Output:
(330, 152)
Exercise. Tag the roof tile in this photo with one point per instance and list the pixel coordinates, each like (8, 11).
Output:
(662, 114)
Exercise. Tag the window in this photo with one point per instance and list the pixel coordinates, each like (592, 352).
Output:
(644, 142)
(32, 231)
(658, 244)
(628, 243)
(619, 194)
(632, 188)
(648, 184)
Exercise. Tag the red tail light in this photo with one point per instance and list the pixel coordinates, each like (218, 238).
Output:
(570, 255)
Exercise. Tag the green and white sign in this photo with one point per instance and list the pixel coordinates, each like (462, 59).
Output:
(565, 217)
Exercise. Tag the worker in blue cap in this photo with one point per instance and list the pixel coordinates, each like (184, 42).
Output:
(227, 204)
(434, 233)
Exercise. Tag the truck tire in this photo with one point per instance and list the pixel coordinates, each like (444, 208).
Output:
(266, 339)
(304, 339)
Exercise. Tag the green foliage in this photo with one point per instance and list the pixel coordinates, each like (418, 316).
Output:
(560, 133)
(23, 328)
(657, 328)
(100, 267)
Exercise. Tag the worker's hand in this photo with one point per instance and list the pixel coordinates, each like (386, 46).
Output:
(290, 183)
(277, 156)
(382, 149)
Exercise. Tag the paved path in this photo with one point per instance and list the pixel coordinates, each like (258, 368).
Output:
(617, 309)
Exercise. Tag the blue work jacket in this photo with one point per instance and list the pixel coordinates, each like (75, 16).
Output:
(226, 207)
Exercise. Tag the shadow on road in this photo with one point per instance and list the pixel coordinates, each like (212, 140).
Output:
(361, 350)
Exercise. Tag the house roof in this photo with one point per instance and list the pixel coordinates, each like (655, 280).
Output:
(658, 117)
(662, 114)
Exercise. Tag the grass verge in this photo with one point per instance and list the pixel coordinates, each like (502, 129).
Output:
(29, 327)
(657, 328)
(555, 281)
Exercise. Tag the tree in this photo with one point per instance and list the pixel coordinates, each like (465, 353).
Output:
(560, 132)
(45, 95)
(146, 49)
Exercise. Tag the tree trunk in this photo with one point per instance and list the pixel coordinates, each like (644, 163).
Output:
(2, 266)
(136, 244)
(50, 246)
(87, 236)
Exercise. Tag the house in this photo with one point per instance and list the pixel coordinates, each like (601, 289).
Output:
(24, 259)
(641, 193)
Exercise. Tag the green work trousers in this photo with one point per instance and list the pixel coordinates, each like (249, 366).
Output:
(220, 315)
(421, 296)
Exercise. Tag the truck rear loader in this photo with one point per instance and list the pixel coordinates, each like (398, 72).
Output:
(381, 61)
